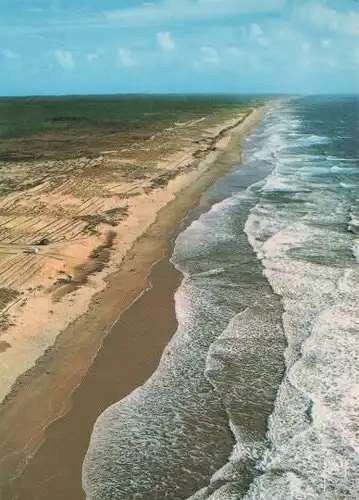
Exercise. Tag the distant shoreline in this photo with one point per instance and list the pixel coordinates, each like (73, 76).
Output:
(44, 393)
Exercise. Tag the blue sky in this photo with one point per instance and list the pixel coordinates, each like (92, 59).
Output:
(178, 46)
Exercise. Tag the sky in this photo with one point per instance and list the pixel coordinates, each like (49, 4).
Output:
(179, 46)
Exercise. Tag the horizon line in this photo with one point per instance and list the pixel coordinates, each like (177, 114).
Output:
(179, 94)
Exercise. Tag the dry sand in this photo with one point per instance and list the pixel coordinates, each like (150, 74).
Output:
(86, 314)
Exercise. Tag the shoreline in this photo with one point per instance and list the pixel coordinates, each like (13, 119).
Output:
(38, 394)
(40, 313)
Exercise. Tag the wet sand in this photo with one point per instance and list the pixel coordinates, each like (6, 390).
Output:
(129, 355)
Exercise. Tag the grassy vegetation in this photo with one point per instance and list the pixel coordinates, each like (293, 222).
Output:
(53, 127)
(111, 217)
(6, 296)
(97, 260)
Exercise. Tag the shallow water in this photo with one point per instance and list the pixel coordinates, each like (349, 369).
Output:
(198, 428)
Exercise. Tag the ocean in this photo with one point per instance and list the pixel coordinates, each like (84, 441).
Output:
(257, 394)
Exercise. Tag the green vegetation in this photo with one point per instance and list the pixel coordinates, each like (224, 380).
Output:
(6, 296)
(36, 128)
(111, 217)
(32, 115)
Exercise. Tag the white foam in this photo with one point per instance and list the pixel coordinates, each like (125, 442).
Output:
(345, 170)
(311, 140)
(347, 185)
(156, 439)
(313, 429)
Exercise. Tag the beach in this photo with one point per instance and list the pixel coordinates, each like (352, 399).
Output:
(219, 361)
(255, 395)
(117, 312)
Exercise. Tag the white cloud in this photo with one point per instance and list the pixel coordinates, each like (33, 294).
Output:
(320, 15)
(350, 23)
(233, 52)
(8, 54)
(92, 56)
(65, 59)
(255, 31)
(165, 41)
(174, 10)
(325, 18)
(210, 55)
(256, 34)
(126, 58)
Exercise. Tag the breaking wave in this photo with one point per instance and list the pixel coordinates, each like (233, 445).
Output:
(256, 396)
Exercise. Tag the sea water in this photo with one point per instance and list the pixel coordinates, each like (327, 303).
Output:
(256, 396)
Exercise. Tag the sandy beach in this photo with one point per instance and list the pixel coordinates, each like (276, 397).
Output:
(71, 349)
